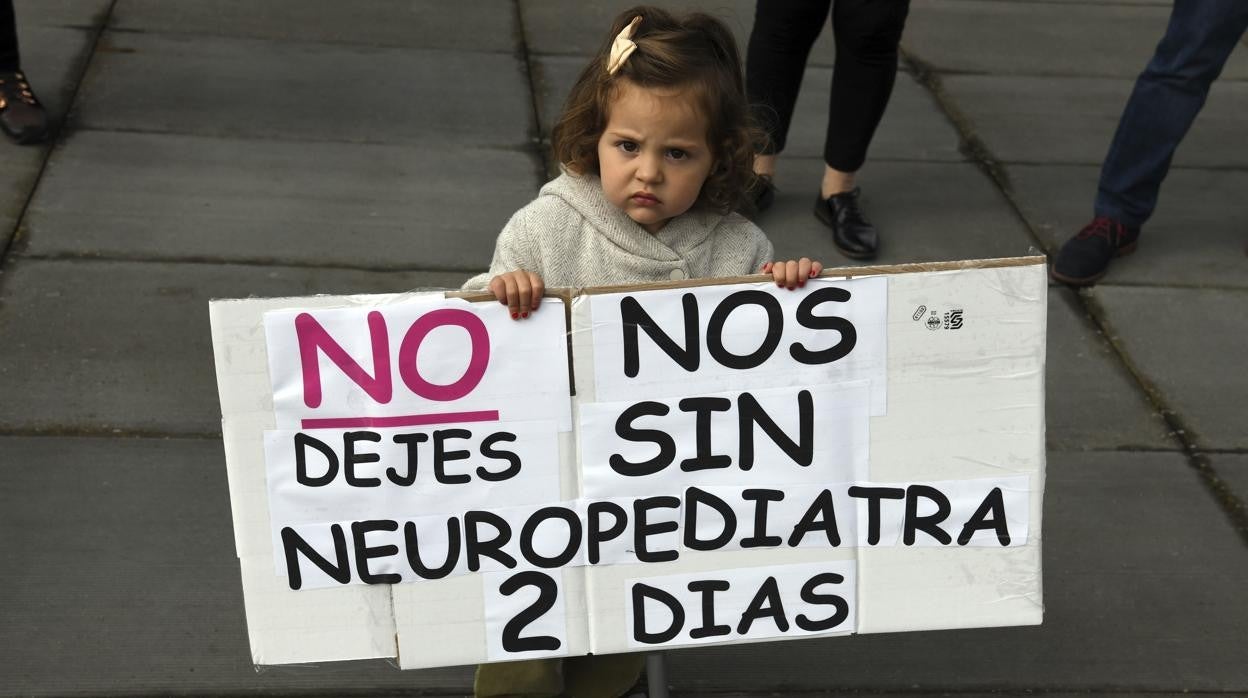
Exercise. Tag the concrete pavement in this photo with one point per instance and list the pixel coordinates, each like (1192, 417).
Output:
(226, 148)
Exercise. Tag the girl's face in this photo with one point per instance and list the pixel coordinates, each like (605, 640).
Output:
(653, 156)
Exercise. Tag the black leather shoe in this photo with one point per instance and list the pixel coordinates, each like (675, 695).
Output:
(1085, 258)
(852, 233)
(21, 114)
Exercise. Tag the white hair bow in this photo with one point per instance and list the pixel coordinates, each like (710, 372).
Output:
(623, 46)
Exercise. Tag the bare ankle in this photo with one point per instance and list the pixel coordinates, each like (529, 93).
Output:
(836, 182)
(765, 165)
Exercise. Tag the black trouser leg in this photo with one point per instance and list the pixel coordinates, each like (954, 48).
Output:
(784, 31)
(867, 35)
(9, 60)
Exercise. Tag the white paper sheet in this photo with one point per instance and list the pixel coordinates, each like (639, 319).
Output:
(383, 490)
(837, 429)
(745, 310)
(525, 615)
(428, 361)
(751, 603)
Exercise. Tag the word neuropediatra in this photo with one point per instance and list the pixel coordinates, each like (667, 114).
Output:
(478, 535)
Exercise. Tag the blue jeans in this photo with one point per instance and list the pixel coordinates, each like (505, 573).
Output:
(1167, 97)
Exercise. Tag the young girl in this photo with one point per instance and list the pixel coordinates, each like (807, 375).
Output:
(657, 151)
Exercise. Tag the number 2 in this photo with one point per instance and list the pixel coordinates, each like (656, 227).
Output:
(548, 592)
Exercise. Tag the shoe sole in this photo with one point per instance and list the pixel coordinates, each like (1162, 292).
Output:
(1091, 280)
(856, 255)
(28, 139)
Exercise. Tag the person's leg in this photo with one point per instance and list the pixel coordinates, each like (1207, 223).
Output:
(868, 33)
(22, 117)
(1167, 97)
(532, 678)
(780, 41)
(1165, 101)
(9, 58)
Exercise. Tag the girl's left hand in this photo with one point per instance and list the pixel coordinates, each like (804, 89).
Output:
(793, 274)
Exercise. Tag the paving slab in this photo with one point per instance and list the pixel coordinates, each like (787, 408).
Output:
(1072, 120)
(216, 86)
(1143, 587)
(100, 346)
(1028, 38)
(120, 577)
(470, 26)
(556, 27)
(52, 59)
(913, 128)
(1167, 3)
(156, 196)
(1190, 344)
(17, 181)
(1195, 238)
(925, 211)
(1232, 468)
(58, 13)
(1091, 402)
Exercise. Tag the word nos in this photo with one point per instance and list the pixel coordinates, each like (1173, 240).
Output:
(551, 537)
(688, 354)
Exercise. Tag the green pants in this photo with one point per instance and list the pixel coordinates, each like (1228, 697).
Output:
(590, 676)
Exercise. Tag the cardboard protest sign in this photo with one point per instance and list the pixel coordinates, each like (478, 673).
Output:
(414, 476)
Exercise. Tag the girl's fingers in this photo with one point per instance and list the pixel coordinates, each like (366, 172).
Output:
(793, 273)
(499, 288)
(537, 289)
(521, 291)
(513, 295)
(524, 292)
(790, 274)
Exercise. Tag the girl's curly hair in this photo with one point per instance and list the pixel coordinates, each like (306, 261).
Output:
(696, 54)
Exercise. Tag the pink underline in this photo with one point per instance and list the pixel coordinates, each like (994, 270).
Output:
(411, 420)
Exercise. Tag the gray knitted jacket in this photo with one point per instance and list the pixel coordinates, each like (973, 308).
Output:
(572, 236)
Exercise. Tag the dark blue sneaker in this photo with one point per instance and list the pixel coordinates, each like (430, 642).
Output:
(1085, 258)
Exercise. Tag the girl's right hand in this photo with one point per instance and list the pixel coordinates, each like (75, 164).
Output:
(521, 291)
(792, 274)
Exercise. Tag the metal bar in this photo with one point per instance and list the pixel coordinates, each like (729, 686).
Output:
(656, 675)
